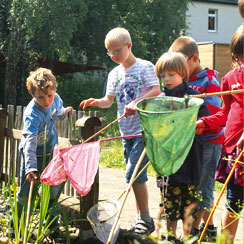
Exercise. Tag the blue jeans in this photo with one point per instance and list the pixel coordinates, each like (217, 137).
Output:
(211, 155)
(23, 191)
(133, 149)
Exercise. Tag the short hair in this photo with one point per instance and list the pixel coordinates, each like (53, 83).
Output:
(118, 35)
(42, 79)
(241, 7)
(236, 45)
(185, 45)
(172, 61)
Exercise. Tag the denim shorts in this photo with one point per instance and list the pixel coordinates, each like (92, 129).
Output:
(235, 201)
(211, 155)
(133, 149)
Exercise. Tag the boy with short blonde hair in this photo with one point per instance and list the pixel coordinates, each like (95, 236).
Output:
(132, 80)
(204, 81)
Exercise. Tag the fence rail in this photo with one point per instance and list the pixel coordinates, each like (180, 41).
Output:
(11, 125)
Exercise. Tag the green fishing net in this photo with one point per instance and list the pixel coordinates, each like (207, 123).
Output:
(168, 126)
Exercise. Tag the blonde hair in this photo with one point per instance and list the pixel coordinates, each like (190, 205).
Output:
(42, 79)
(241, 7)
(172, 61)
(185, 45)
(236, 45)
(117, 35)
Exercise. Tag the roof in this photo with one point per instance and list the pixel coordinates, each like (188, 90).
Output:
(235, 2)
(58, 67)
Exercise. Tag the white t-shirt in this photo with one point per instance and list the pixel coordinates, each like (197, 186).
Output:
(128, 85)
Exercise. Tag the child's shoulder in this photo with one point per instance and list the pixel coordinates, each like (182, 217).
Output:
(236, 72)
(207, 75)
(143, 62)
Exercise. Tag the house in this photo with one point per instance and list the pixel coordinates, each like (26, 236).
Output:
(213, 20)
(212, 24)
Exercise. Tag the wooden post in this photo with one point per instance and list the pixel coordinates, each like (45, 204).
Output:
(88, 126)
(3, 124)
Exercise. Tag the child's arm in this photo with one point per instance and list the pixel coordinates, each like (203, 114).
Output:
(130, 109)
(104, 102)
(29, 151)
(63, 112)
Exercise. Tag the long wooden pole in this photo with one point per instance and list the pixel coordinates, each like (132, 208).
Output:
(218, 93)
(100, 131)
(220, 195)
(134, 180)
(126, 195)
(28, 210)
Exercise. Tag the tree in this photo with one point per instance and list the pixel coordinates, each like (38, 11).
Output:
(74, 31)
(153, 25)
(31, 29)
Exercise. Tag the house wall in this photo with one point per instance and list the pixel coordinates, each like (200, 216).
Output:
(215, 56)
(228, 21)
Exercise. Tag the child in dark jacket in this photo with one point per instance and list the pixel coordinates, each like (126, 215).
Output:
(181, 187)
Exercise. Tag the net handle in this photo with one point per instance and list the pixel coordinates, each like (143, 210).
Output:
(126, 195)
(218, 93)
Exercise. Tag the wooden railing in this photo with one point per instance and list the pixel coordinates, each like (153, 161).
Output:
(11, 124)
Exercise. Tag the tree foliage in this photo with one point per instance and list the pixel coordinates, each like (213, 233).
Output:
(74, 31)
(153, 25)
(32, 29)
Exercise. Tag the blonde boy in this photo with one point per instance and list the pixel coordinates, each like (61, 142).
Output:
(204, 81)
(132, 80)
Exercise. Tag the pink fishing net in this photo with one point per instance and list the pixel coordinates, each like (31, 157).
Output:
(79, 163)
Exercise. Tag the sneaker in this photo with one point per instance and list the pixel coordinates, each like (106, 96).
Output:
(210, 234)
(142, 227)
(174, 240)
(194, 236)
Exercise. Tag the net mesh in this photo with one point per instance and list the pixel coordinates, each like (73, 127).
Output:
(168, 126)
(101, 217)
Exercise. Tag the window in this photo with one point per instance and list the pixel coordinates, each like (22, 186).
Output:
(212, 20)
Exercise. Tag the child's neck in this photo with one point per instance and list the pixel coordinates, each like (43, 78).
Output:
(197, 70)
(129, 61)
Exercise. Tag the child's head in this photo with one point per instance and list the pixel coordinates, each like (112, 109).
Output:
(241, 7)
(236, 46)
(118, 43)
(189, 48)
(171, 69)
(41, 84)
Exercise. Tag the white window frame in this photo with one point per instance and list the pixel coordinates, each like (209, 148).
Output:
(214, 16)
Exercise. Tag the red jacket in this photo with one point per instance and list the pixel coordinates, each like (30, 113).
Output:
(231, 112)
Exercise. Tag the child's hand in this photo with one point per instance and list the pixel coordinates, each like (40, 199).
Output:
(130, 109)
(92, 102)
(69, 109)
(31, 176)
(240, 143)
(200, 127)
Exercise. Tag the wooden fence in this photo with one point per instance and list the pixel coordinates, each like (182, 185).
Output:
(11, 124)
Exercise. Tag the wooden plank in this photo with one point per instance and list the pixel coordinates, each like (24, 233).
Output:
(70, 202)
(3, 124)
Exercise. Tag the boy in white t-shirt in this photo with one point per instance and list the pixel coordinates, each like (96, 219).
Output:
(132, 80)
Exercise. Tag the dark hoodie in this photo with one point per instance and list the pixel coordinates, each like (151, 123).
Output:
(190, 171)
